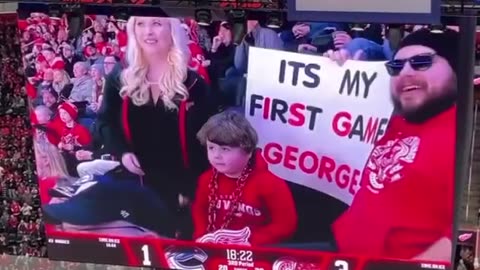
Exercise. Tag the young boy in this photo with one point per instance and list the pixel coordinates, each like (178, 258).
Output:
(238, 201)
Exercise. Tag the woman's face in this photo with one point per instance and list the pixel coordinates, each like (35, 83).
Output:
(95, 73)
(58, 76)
(97, 26)
(98, 38)
(153, 35)
(225, 34)
(43, 165)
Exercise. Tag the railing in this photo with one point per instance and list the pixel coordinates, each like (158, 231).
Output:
(472, 150)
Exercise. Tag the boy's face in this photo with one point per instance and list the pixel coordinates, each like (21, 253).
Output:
(65, 116)
(226, 159)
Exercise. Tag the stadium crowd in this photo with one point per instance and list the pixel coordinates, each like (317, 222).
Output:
(21, 226)
(22, 231)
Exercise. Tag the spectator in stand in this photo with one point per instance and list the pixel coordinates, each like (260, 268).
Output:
(97, 73)
(26, 209)
(50, 98)
(69, 57)
(222, 51)
(83, 85)
(257, 36)
(109, 63)
(197, 56)
(53, 61)
(61, 82)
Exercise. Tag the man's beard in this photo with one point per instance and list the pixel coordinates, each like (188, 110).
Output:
(429, 109)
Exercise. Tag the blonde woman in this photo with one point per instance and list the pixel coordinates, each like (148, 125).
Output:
(40, 119)
(50, 162)
(153, 109)
(61, 82)
(51, 168)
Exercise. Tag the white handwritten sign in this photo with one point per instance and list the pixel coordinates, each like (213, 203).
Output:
(317, 121)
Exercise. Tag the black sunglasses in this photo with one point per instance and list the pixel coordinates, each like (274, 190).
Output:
(417, 62)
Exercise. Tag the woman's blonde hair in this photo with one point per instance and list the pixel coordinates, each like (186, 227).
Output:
(57, 166)
(134, 76)
(66, 80)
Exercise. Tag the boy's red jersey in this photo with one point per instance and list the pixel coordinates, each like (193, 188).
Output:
(266, 206)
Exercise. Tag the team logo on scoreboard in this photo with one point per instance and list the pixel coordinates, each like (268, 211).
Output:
(289, 263)
(285, 263)
(464, 237)
(186, 258)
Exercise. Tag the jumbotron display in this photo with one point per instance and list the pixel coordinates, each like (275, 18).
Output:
(160, 142)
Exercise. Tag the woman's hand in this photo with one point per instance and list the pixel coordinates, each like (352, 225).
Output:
(130, 161)
(216, 43)
(83, 155)
(94, 106)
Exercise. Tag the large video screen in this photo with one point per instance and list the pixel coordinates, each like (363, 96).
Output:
(163, 143)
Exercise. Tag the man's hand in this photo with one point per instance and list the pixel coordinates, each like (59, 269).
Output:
(301, 30)
(306, 48)
(342, 55)
(341, 39)
(183, 200)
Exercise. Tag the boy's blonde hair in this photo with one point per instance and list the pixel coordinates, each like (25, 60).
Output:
(231, 129)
